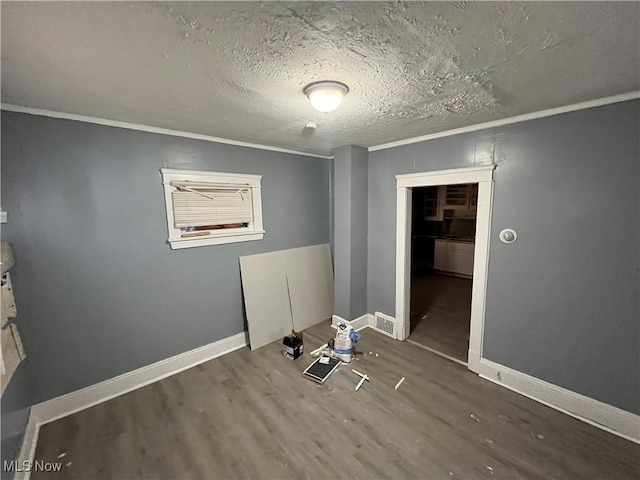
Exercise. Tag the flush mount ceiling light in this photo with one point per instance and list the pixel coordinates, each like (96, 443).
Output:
(325, 96)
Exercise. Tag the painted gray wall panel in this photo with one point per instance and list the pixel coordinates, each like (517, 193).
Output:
(359, 233)
(350, 171)
(342, 232)
(99, 291)
(562, 302)
(332, 208)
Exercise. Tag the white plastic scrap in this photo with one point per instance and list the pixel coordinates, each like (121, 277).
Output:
(362, 380)
(475, 418)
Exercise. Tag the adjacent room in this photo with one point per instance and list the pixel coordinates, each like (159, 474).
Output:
(265, 240)
(443, 226)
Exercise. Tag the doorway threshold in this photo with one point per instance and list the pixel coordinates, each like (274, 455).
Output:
(444, 355)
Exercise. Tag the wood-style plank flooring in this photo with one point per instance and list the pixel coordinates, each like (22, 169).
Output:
(252, 415)
(441, 313)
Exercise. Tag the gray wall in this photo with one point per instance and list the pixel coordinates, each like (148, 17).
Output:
(99, 291)
(563, 301)
(350, 231)
(359, 233)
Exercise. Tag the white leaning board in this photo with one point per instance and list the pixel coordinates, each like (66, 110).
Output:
(287, 289)
(266, 298)
(310, 278)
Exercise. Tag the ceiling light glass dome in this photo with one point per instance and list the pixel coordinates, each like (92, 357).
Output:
(326, 96)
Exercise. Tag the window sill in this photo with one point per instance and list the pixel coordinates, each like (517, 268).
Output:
(178, 243)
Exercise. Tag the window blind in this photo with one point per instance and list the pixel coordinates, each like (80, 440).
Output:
(201, 205)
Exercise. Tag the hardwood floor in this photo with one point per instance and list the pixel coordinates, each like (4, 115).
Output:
(252, 415)
(441, 313)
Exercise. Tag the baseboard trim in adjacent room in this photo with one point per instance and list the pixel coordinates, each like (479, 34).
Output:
(82, 399)
(599, 414)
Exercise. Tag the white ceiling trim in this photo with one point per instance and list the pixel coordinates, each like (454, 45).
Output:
(506, 121)
(149, 129)
(457, 131)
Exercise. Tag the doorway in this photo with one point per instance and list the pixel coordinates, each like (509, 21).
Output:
(443, 224)
(483, 177)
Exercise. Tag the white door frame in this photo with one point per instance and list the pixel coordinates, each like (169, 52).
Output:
(483, 176)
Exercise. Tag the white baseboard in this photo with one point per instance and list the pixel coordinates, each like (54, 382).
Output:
(473, 361)
(336, 320)
(73, 402)
(612, 419)
(363, 321)
(594, 412)
(28, 449)
(84, 398)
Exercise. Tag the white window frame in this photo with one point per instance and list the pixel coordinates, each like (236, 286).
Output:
(216, 237)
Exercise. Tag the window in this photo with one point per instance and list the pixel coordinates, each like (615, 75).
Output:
(211, 208)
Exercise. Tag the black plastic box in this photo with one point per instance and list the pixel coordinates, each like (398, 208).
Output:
(292, 346)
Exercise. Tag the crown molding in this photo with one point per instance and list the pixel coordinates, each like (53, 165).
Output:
(507, 121)
(149, 129)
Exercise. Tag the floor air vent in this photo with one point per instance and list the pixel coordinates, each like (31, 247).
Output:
(386, 324)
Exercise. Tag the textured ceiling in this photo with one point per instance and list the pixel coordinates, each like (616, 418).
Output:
(236, 70)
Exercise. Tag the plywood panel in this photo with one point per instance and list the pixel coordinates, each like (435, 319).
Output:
(266, 298)
(310, 278)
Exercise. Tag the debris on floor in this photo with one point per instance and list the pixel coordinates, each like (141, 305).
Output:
(318, 351)
(362, 380)
(370, 390)
(475, 418)
(539, 436)
(319, 372)
(399, 383)
(62, 455)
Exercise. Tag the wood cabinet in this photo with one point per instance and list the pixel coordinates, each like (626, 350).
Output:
(437, 199)
(454, 257)
(460, 197)
(433, 203)
(440, 255)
